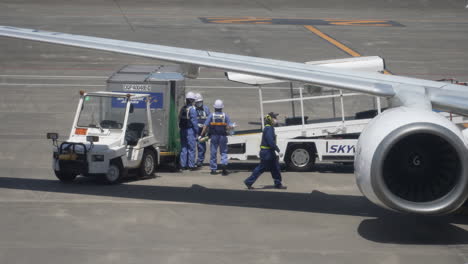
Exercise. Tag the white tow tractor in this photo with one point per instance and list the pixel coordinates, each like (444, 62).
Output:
(111, 133)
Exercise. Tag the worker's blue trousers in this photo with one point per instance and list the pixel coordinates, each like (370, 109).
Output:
(201, 150)
(188, 143)
(221, 142)
(272, 165)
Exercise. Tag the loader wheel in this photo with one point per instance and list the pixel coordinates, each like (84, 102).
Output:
(65, 177)
(148, 164)
(300, 157)
(114, 173)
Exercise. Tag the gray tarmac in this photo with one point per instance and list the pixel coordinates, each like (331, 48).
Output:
(195, 217)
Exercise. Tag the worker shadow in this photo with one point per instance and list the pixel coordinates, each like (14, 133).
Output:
(239, 166)
(270, 187)
(378, 225)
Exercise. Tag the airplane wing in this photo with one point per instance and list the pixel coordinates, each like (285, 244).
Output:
(448, 97)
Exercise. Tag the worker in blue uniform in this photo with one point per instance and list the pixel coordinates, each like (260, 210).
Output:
(218, 123)
(188, 125)
(268, 158)
(203, 112)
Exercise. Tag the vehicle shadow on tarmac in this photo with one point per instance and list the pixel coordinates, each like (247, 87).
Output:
(380, 225)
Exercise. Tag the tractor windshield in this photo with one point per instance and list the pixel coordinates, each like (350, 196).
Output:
(102, 112)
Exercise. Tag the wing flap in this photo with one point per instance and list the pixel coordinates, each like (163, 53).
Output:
(364, 64)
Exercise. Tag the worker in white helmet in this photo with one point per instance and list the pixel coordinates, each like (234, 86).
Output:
(203, 112)
(188, 124)
(218, 123)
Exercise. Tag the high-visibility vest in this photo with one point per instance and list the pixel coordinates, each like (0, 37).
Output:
(218, 124)
(201, 114)
(263, 145)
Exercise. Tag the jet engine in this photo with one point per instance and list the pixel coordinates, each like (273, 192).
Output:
(414, 161)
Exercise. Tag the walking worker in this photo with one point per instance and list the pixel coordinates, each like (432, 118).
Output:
(203, 112)
(268, 159)
(188, 125)
(218, 123)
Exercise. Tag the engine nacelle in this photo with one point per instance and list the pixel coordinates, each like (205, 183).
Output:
(414, 161)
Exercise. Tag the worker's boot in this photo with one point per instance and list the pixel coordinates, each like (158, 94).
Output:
(225, 172)
(249, 186)
(280, 186)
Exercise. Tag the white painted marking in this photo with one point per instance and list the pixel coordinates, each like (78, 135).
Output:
(76, 76)
(4, 156)
(54, 76)
(102, 85)
(94, 201)
(237, 87)
(210, 79)
(51, 84)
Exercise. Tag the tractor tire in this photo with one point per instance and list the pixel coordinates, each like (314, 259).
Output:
(148, 164)
(115, 173)
(65, 177)
(300, 157)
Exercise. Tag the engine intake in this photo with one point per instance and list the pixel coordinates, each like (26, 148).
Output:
(413, 161)
(421, 167)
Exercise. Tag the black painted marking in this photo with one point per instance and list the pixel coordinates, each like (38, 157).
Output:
(294, 21)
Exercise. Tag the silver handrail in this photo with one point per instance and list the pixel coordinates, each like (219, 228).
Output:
(301, 99)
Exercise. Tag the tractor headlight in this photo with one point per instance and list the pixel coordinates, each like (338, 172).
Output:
(97, 158)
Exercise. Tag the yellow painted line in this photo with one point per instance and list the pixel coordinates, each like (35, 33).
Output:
(333, 41)
(355, 21)
(336, 43)
(342, 22)
(167, 153)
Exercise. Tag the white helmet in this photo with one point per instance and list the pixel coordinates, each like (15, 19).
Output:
(190, 95)
(218, 104)
(198, 97)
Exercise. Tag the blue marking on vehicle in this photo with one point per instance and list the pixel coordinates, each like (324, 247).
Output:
(156, 101)
(342, 149)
